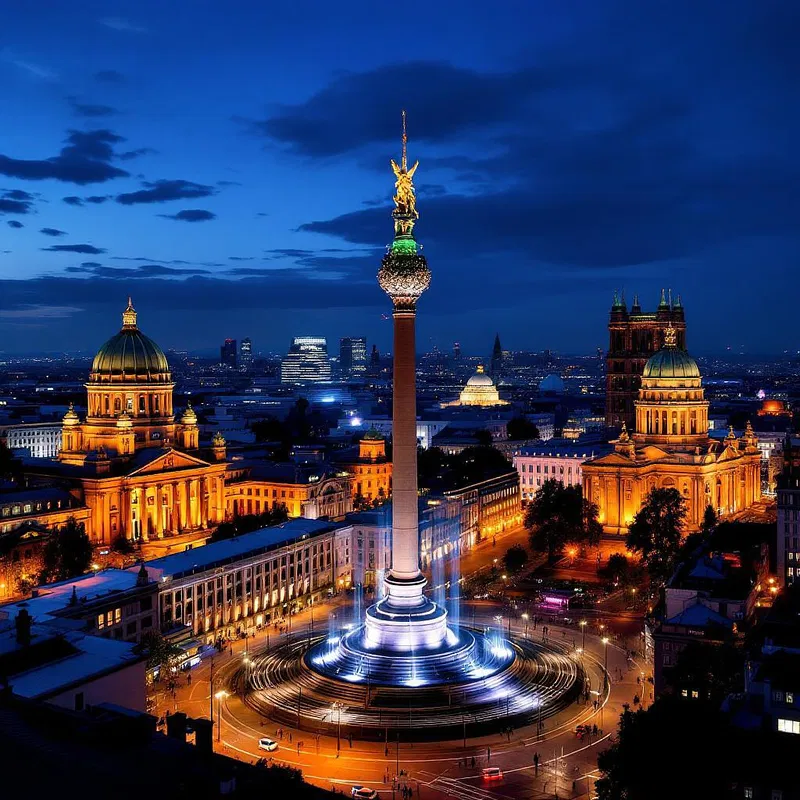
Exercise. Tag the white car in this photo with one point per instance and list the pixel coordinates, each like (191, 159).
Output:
(267, 744)
(363, 793)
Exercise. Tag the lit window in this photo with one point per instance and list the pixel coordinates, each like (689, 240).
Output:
(789, 725)
(101, 621)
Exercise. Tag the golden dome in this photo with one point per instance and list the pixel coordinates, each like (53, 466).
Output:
(670, 362)
(130, 356)
(480, 378)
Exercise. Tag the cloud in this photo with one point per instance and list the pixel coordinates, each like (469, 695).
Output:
(110, 76)
(91, 110)
(241, 258)
(163, 191)
(190, 215)
(16, 201)
(87, 249)
(13, 223)
(141, 271)
(98, 198)
(72, 200)
(83, 160)
(228, 183)
(36, 70)
(23, 312)
(52, 232)
(122, 24)
(141, 151)
(357, 109)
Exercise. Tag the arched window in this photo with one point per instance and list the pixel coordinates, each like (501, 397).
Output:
(674, 423)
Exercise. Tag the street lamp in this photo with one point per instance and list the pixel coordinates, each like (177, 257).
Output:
(220, 695)
(583, 624)
(525, 617)
(338, 708)
(605, 662)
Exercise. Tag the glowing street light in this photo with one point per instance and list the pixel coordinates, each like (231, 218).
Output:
(525, 617)
(583, 623)
(220, 695)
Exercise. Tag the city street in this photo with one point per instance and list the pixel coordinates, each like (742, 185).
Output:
(436, 770)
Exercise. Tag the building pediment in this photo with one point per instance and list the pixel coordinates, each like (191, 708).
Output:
(651, 452)
(610, 460)
(165, 461)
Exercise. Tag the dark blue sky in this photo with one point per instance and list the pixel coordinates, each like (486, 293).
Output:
(227, 165)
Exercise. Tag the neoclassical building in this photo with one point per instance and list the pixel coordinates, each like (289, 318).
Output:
(671, 448)
(479, 391)
(369, 466)
(139, 471)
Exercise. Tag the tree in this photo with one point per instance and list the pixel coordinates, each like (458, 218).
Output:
(515, 558)
(250, 522)
(710, 520)
(713, 671)
(615, 569)
(161, 654)
(483, 438)
(123, 545)
(656, 532)
(10, 467)
(521, 428)
(559, 515)
(67, 554)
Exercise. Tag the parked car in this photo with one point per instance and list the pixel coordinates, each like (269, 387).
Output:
(267, 744)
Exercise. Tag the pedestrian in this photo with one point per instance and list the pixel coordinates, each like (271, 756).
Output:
(488, 754)
(473, 762)
(189, 679)
(594, 730)
(290, 736)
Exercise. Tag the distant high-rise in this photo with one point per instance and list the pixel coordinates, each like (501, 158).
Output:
(245, 354)
(496, 365)
(306, 361)
(353, 356)
(787, 550)
(227, 353)
(456, 351)
(633, 337)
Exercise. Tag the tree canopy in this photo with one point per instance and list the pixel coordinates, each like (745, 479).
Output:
(250, 522)
(67, 554)
(436, 470)
(656, 532)
(559, 515)
(521, 428)
(515, 558)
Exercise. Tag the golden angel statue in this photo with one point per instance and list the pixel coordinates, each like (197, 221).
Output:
(404, 199)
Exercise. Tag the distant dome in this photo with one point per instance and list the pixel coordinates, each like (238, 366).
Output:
(480, 378)
(130, 356)
(189, 417)
(553, 384)
(670, 361)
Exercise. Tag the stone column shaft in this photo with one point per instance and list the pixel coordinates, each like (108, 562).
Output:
(405, 533)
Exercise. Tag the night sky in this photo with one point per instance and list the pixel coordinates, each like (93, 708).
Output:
(226, 164)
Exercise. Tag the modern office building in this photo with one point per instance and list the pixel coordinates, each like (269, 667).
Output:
(307, 361)
(227, 353)
(353, 356)
(245, 355)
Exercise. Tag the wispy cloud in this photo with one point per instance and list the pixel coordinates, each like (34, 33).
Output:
(122, 24)
(31, 67)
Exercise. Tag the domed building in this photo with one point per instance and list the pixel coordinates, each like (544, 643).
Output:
(479, 391)
(671, 448)
(141, 474)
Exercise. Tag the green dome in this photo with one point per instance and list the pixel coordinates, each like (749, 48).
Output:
(130, 356)
(671, 362)
(373, 435)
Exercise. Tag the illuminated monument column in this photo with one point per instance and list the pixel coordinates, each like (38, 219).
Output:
(405, 618)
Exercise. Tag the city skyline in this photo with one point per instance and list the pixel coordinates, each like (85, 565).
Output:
(567, 153)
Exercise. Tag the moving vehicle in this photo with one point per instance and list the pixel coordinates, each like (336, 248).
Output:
(492, 773)
(363, 793)
(267, 744)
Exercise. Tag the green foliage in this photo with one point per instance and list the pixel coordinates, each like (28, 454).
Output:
(656, 532)
(521, 428)
(515, 558)
(710, 520)
(67, 554)
(123, 545)
(439, 471)
(250, 522)
(10, 467)
(559, 515)
(161, 653)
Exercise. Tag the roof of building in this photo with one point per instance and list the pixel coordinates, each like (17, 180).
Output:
(566, 448)
(130, 356)
(699, 616)
(552, 383)
(56, 660)
(24, 495)
(671, 362)
(53, 597)
(287, 472)
(200, 559)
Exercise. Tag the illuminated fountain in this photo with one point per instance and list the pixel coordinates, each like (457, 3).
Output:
(409, 665)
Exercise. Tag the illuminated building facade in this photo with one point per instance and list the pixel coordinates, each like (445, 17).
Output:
(245, 355)
(139, 471)
(38, 439)
(671, 449)
(307, 361)
(633, 337)
(371, 470)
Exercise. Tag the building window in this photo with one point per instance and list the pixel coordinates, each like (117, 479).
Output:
(789, 725)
